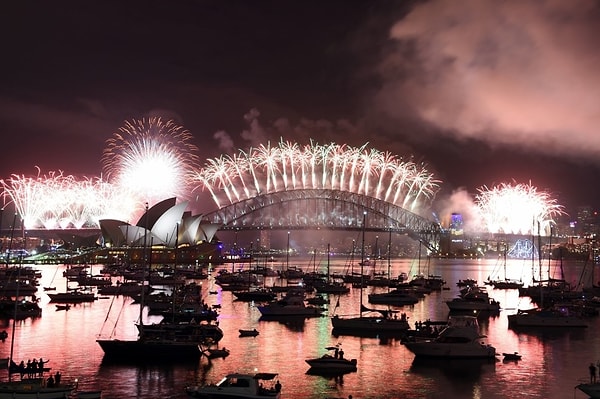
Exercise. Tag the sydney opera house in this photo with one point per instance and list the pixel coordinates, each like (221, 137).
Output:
(167, 231)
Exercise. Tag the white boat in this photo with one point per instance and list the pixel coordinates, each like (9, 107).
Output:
(460, 339)
(592, 390)
(239, 386)
(550, 317)
(332, 364)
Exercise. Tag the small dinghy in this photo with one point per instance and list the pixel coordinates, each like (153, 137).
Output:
(512, 356)
(213, 353)
(249, 333)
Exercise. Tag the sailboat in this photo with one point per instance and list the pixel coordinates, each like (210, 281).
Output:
(30, 385)
(375, 321)
(545, 316)
(328, 286)
(162, 341)
(506, 283)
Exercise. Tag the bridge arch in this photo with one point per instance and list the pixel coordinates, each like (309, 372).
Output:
(323, 209)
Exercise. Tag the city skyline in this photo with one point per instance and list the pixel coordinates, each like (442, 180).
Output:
(478, 107)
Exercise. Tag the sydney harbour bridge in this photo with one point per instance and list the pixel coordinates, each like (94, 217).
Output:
(321, 187)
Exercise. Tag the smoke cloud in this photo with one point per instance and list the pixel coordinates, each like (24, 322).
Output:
(517, 72)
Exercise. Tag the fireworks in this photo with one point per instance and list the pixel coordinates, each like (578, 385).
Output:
(517, 209)
(288, 166)
(55, 200)
(152, 158)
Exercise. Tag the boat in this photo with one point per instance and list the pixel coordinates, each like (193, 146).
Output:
(332, 364)
(328, 286)
(291, 305)
(592, 390)
(160, 341)
(255, 294)
(97, 394)
(506, 283)
(369, 321)
(249, 333)
(66, 306)
(460, 339)
(213, 353)
(396, 297)
(555, 316)
(33, 382)
(74, 296)
(512, 356)
(474, 299)
(239, 386)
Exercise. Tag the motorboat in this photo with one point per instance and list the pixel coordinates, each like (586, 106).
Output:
(332, 364)
(397, 297)
(556, 316)
(474, 300)
(371, 321)
(291, 305)
(592, 390)
(460, 339)
(239, 386)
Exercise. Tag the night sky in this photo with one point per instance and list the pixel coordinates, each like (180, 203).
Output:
(483, 92)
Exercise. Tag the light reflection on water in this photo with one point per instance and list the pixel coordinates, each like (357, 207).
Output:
(553, 361)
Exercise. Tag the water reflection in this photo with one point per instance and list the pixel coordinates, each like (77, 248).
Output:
(553, 359)
(292, 323)
(464, 370)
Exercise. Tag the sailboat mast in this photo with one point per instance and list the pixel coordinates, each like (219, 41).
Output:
(362, 260)
(14, 324)
(145, 263)
(328, 258)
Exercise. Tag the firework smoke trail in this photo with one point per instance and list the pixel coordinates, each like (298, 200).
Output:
(313, 166)
(153, 157)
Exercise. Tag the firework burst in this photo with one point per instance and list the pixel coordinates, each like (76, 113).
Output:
(517, 209)
(153, 158)
(287, 166)
(55, 200)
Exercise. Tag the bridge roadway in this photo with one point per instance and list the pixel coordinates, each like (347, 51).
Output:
(324, 209)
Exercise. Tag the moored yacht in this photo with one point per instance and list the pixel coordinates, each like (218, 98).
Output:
(460, 339)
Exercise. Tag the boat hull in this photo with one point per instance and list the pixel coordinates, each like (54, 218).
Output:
(462, 305)
(545, 319)
(33, 389)
(331, 365)
(451, 350)
(149, 350)
(591, 390)
(370, 324)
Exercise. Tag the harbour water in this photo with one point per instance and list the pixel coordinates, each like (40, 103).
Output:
(553, 361)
